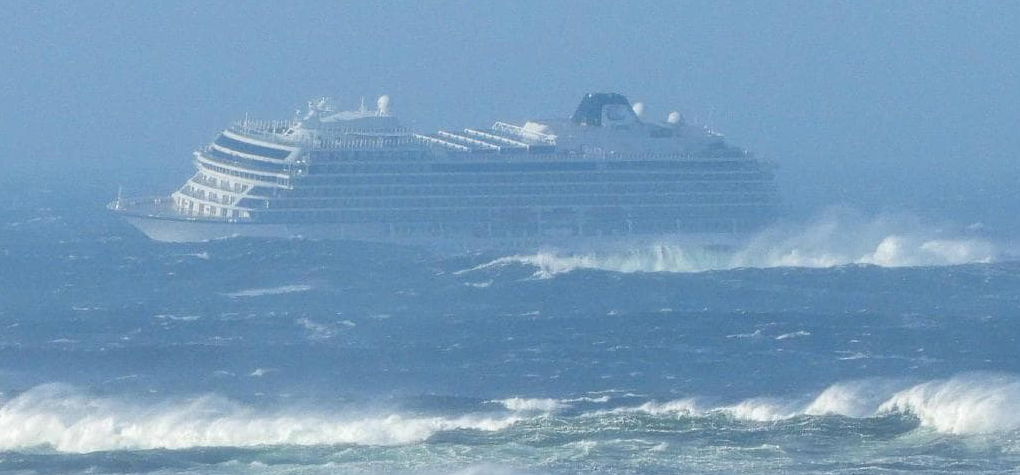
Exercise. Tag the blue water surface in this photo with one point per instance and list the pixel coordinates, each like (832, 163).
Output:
(122, 355)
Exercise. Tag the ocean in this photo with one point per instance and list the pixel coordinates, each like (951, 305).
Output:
(848, 343)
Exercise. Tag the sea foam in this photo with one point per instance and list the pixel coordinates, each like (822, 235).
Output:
(65, 419)
(838, 237)
(963, 405)
(971, 403)
(519, 404)
(283, 289)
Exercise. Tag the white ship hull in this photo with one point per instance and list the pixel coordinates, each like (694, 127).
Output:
(177, 230)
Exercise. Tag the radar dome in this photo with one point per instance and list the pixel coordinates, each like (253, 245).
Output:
(536, 127)
(639, 109)
(674, 118)
(383, 104)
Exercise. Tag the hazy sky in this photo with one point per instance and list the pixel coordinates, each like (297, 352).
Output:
(879, 105)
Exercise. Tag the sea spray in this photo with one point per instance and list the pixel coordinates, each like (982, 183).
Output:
(519, 404)
(974, 403)
(838, 237)
(969, 403)
(66, 419)
(860, 398)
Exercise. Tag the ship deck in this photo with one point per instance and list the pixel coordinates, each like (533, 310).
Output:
(162, 207)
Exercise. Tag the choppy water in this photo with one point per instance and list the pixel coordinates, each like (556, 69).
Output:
(892, 347)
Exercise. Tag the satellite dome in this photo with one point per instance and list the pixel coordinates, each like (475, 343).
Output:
(639, 109)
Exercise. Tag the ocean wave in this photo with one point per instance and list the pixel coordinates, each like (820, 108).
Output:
(972, 403)
(520, 404)
(283, 289)
(963, 405)
(65, 419)
(488, 469)
(686, 406)
(839, 237)
(759, 410)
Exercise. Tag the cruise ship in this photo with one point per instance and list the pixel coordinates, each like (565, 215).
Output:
(603, 176)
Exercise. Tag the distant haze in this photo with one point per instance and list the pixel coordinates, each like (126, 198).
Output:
(903, 106)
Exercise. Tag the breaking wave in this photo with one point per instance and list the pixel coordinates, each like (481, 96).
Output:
(973, 403)
(837, 238)
(963, 405)
(65, 419)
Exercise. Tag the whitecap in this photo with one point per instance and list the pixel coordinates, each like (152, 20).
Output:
(259, 292)
(970, 403)
(796, 334)
(759, 409)
(860, 398)
(316, 331)
(974, 403)
(838, 237)
(519, 404)
(683, 407)
(67, 420)
(754, 334)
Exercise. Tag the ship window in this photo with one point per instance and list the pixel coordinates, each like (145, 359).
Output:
(512, 167)
(673, 164)
(242, 162)
(251, 149)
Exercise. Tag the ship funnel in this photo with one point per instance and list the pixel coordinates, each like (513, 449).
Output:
(601, 109)
(383, 104)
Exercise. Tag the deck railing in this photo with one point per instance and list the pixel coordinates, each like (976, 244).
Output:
(288, 133)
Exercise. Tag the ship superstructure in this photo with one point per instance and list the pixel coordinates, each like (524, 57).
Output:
(602, 175)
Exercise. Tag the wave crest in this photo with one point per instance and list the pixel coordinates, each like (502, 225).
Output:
(963, 405)
(971, 403)
(261, 292)
(520, 404)
(66, 420)
(838, 238)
